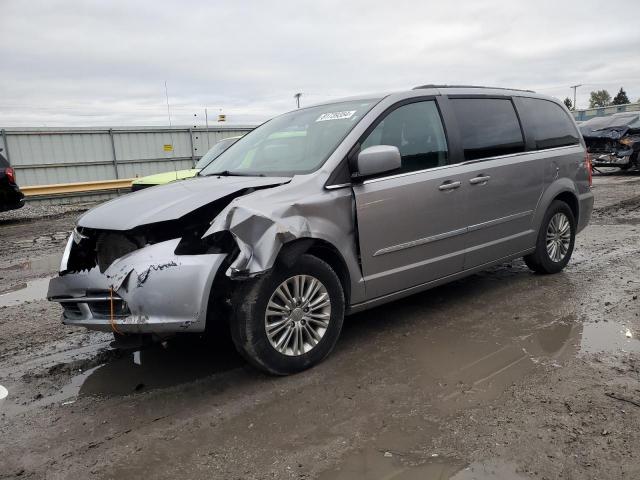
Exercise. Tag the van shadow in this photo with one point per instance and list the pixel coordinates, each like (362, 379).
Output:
(181, 360)
(429, 305)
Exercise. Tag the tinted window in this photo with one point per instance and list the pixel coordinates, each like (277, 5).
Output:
(548, 124)
(3, 161)
(488, 127)
(416, 129)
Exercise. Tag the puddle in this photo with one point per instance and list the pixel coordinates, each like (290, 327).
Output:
(462, 357)
(374, 465)
(25, 292)
(47, 264)
(608, 337)
(397, 455)
(462, 371)
(386, 463)
(126, 373)
(21, 292)
(492, 470)
(393, 455)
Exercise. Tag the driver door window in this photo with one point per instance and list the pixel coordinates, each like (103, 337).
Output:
(416, 129)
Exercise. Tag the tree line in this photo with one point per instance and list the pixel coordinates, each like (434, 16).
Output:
(602, 98)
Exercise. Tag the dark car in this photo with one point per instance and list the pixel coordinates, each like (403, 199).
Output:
(613, 141)
(10, 195)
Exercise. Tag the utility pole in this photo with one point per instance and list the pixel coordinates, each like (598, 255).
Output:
(206, 121)
(575, 87)
(297, 97)
(166, 93)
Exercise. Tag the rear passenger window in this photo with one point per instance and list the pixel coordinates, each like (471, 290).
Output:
(548, 124)
(416, 129)
(488, 126)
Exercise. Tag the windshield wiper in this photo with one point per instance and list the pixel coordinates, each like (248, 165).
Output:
(229, 173)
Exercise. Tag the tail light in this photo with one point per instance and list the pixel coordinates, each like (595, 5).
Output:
(11, 174)
(589, 167)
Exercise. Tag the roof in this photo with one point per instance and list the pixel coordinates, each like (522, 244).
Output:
(420, 87)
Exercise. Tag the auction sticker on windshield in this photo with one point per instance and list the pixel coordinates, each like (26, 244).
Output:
(336, 116)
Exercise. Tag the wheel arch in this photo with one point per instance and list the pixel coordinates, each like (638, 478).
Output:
(562, 189)
(323, 250)
(572, 200)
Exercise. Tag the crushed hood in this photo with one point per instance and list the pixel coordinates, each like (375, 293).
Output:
(168, 202)
(612, 127)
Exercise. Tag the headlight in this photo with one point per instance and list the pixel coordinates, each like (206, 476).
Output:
(65, 255)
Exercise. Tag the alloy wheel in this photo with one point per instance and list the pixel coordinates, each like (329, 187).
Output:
(298, 315)
(558, 237)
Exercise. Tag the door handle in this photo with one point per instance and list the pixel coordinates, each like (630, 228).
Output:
(448, 185)
(480, 179)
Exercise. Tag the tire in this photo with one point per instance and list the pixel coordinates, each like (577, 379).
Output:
(302, 350)
(542, 261)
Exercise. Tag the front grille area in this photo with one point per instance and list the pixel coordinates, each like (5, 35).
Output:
(97, 302)
(102, 309)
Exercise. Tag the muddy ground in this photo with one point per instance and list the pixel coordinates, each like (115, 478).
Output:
(505, 374)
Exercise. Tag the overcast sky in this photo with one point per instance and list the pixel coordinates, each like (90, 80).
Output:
(105, 62)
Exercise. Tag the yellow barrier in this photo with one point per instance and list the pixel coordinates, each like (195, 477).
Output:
(80, 187)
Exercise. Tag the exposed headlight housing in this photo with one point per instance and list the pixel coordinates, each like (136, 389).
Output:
(192, 243)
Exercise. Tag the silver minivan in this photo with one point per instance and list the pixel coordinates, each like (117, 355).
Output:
(329, 210)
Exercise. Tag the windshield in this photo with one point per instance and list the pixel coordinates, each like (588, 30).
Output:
(296, 142)
(215, 151)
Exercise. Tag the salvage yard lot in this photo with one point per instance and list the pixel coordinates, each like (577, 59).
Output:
(507, 372)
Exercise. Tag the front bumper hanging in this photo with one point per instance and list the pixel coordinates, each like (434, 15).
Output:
(150, 290)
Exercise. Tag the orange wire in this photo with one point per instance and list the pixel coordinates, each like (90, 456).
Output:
(111, 315)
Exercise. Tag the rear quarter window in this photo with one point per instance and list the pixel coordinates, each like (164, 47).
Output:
(547, 123)
(489, 127)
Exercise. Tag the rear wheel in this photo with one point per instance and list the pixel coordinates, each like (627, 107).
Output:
(556, 240)
(289, 319)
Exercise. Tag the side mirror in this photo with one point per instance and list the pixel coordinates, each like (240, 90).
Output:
(378, 159)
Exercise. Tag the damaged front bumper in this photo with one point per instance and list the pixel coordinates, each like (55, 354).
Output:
(150, 290)
(611, 159)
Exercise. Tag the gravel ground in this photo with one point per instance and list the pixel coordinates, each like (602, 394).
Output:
(505, 374)
(37, 212)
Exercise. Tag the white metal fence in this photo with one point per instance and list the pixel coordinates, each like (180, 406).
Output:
(589, 113)
(43, 156)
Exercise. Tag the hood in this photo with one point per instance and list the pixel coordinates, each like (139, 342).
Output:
(613, 127)
(168, 202)
(166, 177)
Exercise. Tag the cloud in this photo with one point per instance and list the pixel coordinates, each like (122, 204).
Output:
(105, 62)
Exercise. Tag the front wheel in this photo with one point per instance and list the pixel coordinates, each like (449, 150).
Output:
(289, 319)
(556, 240)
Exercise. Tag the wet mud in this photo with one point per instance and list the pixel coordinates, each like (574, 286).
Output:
(505, 375)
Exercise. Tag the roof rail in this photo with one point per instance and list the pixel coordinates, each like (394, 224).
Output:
(470, 86)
